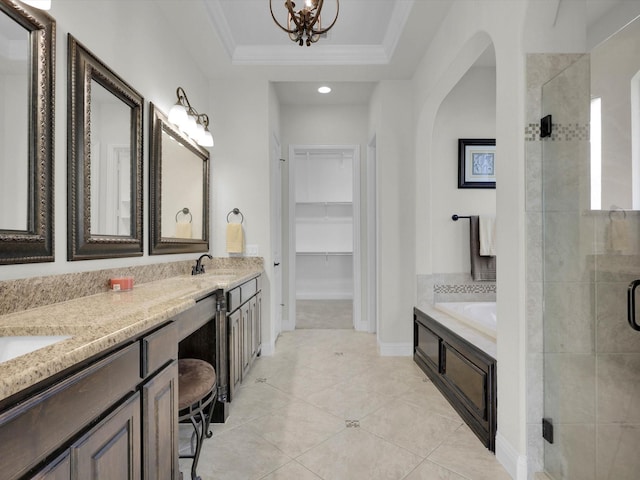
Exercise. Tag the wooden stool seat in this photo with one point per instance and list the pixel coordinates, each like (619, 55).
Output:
(196, 399)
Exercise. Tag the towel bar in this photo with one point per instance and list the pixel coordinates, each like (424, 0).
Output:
(455, 217)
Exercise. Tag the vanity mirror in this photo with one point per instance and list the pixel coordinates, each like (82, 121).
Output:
(178, 190)
(104, 160)
(27, 80)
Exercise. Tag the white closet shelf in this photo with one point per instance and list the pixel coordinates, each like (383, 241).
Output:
(323, 253)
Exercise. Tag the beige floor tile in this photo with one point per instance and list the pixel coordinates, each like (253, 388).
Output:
(287, 420)
(462, 453)
(239, 454)
(355, 453)
(348, 400)
(292, 471)
(302, 381)
(430, 471)
(416, 429)
(297, 427)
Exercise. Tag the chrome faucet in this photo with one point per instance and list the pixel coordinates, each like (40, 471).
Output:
(198, 268)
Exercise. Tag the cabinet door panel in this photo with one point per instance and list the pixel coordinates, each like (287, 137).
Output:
(468, 379)
(111, 450)
(160, 425)
(235, 351)
(428, 344)
(59, 469)
(246, 337)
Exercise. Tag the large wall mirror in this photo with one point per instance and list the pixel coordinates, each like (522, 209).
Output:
(27, 80)
(178, 190)
(104, 160)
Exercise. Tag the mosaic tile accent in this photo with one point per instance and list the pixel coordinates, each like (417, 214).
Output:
(466, 288)
(26, 293)
(560, 132)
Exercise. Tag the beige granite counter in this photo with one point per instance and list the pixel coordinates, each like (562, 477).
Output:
(100, 321)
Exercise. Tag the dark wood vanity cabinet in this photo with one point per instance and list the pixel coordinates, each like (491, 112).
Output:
(244, 317)
(464, 374)
(114, 417)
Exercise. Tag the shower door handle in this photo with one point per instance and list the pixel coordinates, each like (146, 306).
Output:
(631, 304)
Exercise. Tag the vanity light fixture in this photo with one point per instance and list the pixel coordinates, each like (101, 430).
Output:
(305, 21)
(187, 119)
(324, 89)
(40, 4)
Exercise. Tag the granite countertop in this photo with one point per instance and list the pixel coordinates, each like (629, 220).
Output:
(476, 337)
(100, 321)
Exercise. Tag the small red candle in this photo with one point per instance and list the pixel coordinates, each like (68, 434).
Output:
(120, 284)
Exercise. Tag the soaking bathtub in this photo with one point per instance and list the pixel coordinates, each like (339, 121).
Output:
(479, 315)
(455, 345)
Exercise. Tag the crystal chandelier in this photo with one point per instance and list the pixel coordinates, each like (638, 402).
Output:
(304, 22)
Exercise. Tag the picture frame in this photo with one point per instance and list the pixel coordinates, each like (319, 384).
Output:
(476, 163)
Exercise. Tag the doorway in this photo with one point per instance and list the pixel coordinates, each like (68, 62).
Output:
(324, 236)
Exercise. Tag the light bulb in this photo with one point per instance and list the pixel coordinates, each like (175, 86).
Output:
(207, 139)
(191, 128)
(178, 115)
(40, 4)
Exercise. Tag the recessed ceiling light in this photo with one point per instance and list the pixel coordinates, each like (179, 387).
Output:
(324, 89)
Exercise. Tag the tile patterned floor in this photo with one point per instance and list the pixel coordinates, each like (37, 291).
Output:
(326, 406)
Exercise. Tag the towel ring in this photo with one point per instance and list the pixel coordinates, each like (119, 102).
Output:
(624, 213)
(235, 211)
(184, 211)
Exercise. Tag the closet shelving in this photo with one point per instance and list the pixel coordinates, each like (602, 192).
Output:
(324, 224)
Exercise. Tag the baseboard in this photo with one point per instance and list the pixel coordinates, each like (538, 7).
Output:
(324, 296)
(400, 349)
(514, 463)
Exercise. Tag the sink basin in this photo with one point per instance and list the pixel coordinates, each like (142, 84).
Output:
(12, 347)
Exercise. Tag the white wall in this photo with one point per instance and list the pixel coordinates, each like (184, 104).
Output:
(243, 126)
(391, 121)
(130, 38)
(469, 111)
(468, 29)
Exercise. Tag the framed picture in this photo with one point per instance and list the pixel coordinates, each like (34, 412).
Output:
(476, 163)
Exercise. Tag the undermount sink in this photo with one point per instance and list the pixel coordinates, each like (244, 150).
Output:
(12, 347)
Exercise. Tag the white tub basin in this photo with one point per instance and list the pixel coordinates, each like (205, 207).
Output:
(12, 347)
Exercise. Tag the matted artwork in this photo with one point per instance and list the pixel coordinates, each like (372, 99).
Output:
(476, 163)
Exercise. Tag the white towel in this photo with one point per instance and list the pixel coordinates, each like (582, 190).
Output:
(487, 229)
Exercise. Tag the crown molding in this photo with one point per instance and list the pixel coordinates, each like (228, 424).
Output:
(314, 55)
(399, 18)
(221, 26)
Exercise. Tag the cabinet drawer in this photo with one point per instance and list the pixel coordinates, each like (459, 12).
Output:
(158, 348)
(248, 290)
(34, 429)
(233, 299)
(468, 380)
(428, 344)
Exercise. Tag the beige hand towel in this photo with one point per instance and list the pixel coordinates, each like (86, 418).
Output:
(235, 238)
(183, 230)
(618, 235)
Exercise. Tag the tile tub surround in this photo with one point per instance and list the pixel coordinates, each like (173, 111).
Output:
(99, 322)
(22, 294)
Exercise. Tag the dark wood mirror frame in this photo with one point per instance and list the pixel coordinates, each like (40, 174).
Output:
(83, 67)
(36, 244)
(158, 244)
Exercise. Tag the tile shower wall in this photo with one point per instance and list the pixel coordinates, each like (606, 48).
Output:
(540, 69)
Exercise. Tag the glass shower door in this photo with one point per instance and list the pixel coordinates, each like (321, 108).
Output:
(591, 245)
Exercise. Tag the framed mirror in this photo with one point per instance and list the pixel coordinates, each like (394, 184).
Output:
(178, 190)
(104, 160)
(27, 81)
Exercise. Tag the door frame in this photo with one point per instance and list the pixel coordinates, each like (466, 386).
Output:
(277, 292)
(290, 323)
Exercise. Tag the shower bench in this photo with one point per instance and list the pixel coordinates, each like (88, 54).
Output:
(464, 373)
